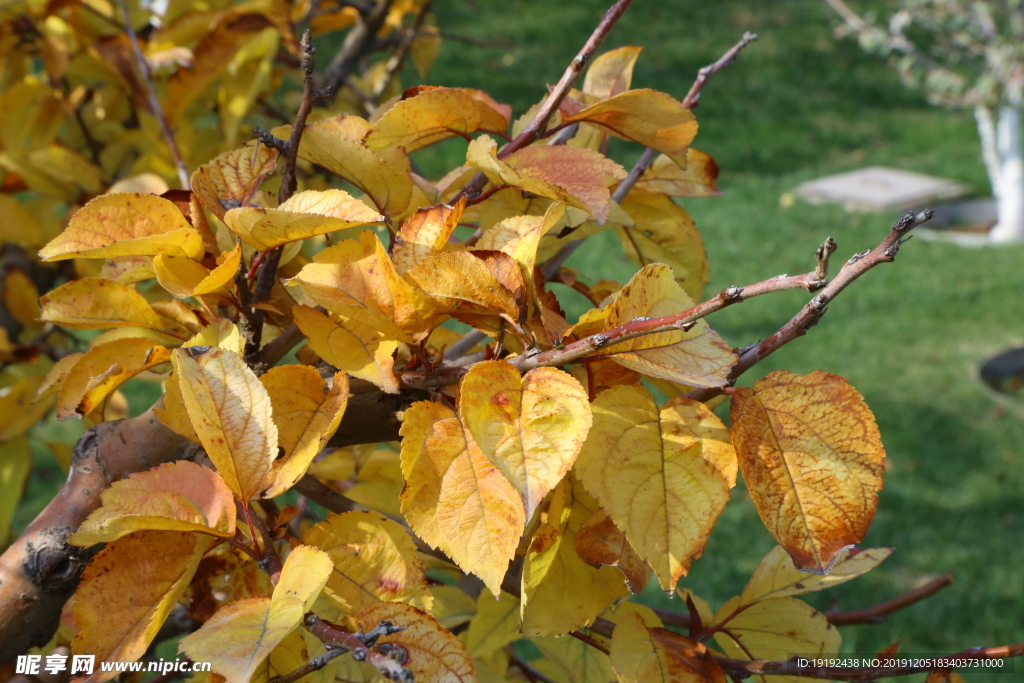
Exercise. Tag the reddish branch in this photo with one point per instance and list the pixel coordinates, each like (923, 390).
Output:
(692, 99)
(557, 95)
(359, 644)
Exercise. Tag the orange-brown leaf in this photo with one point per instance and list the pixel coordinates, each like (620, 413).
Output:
(812, 458)
(230, 180)
(641, 654)
(600, 543)
(102, 369)
(697, 179)
(432, 115)
(611, 73)
(426, 232)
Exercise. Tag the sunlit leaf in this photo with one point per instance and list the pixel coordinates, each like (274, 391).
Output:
(230, 180)
(611, 73)
(93, 303)
(641, 654)
(101, 370)
(350, 346)
(777, 577)
(425, 232)
(432, 115)
(184, 277)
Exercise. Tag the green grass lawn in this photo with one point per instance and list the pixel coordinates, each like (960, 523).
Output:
(797, 105)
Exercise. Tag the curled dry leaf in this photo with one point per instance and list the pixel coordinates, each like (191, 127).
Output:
(431, 653)
(231, 179)
(231, 412)
(697, 358)
(350, 346)
(303, 215)
(643, 654)
(696, 179)
(93, 303)
(431, 115)
(812, 459)
(662, 477)
(122, 225)
(307, 414)
(600, 543)
(374, 560)
(101, 370)
(177, 496)
(426, 232)
(128, 590)
(649, 117)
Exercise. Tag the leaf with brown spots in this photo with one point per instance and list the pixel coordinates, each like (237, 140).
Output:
(101, 370)
(94, 303)
(430, 115)
(425, 233)
(812, 458)
(374, 561)
(642, 654)
(230, 180)
(696, 179)
(777, 577)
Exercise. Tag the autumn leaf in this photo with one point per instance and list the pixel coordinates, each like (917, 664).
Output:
(177, 496)
(600, 543)
(93, 303)
(696, 179)
(611, 73)
(357, 279)
(554, 570)
(495, 624)
(384, 176)
(230, 180)
(350, 346)
(697, 358)
(455, 499)
(574, 175)
(652, 118)
(374, 560)
(232, 414)
(125, 224)
(306, 413)
(222, 333)
(184, 277)
(641, 654)
(242, 634)
(294, 651)
(432, 115)
(19, 409)
(426, 232)
(570, 660)
(129, 589)
(303, 215)
(21, 298)
(433, 654)
(777, 577)
(662, 477)
(531, 427)
(812, 459)
(15, 465)
(101, 370)
(452, 606)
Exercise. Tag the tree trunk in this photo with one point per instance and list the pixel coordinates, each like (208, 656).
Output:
(1004, 159)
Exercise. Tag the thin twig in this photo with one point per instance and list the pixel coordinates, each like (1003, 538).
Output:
(397, 59)
(359, 644)
(877, 613)
(692, 99)
(357, 43)
(530, 672)
(309, 667)
(558, 93)
(154, 101)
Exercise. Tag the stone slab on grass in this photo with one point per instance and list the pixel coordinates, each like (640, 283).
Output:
(878, 189)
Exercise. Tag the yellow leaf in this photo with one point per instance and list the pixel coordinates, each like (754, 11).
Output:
(777, 577)
(570, 660)
(378, 484)
(101, 370)
(424, 50)
(350, 346)
(553, 570)
(21, 298)
(357, 279)
(19, 411)
(519, 237)
(697, 358)
(55, 377)
(455, 499)
(374, 561)
(611, 73)
(696, 179)
(128, 590)
(600, 543)
(495, 624)
(432, 115)
(662, 477)
(812, 459)
(230, 180)
(127, 270)
(242, 634)
(232, 415)
(93, 303)
(174, 414)
(452, 606)
(295, 651)
(579, 177)
(640, 654)
(221, 332)
(649, 117)
(20, 226)
(531, 428)
(122, 225)
(434, 654)
(303, 215)
(15, 465)
(306, 413)
(663, 232)
(177, 496)
(184, 277)
(426, 232)
(384, 176)
(774, 630)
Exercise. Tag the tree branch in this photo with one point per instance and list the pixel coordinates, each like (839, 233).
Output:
(359, 644)
(154, 101)
(357, 43)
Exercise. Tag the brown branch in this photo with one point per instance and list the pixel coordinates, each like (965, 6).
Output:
(692, 99)
(812, 312)
(154, 101)
(358, 43)
(397, 59)
(877, 613)
(558, 93)
(359, 644)
(309, 667)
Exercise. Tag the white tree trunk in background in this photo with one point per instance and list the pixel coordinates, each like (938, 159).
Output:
(1004, 159)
